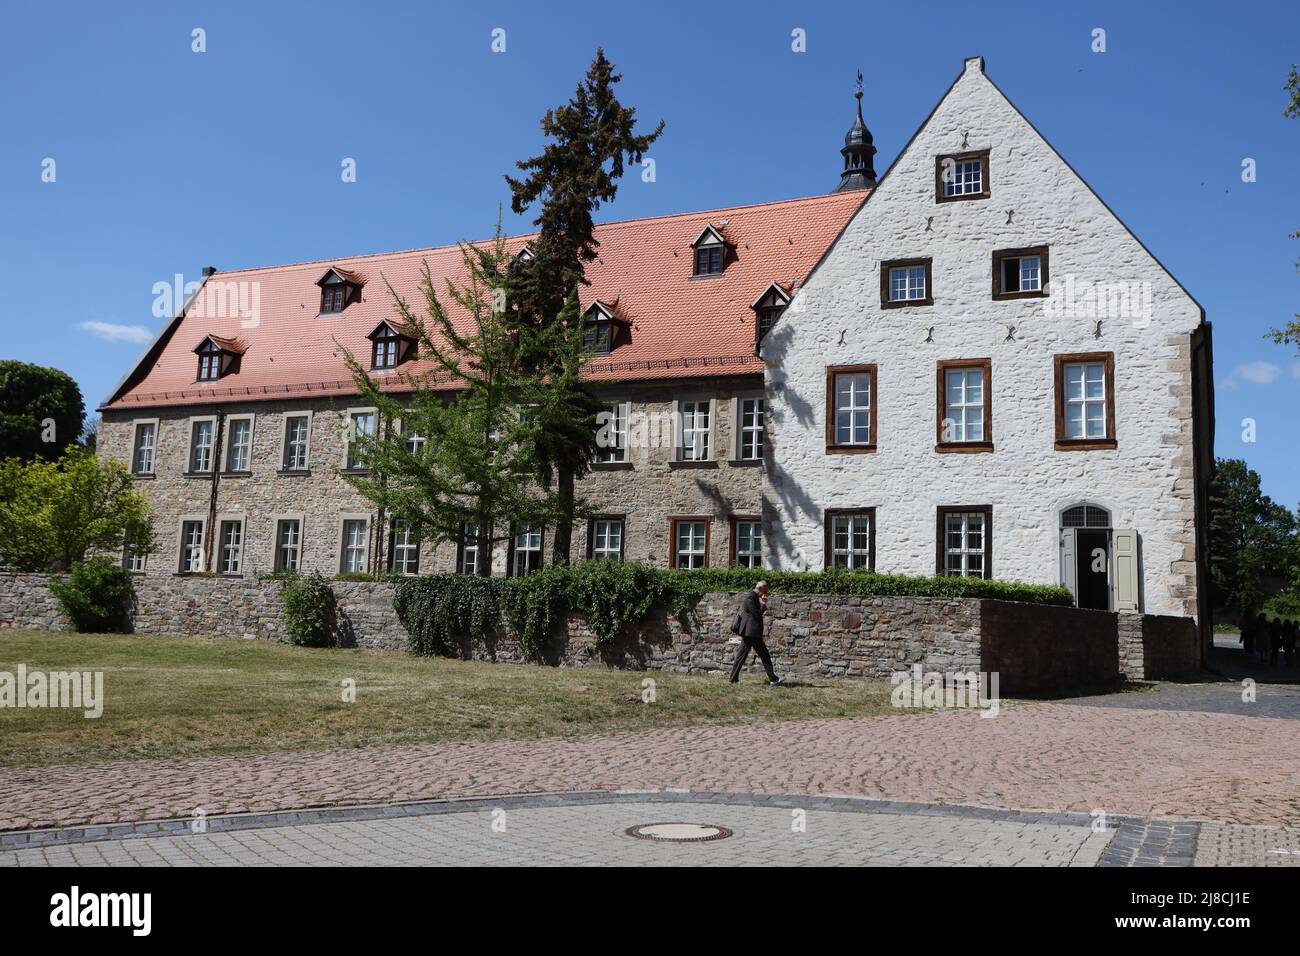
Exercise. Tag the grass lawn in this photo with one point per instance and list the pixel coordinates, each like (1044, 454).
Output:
(167, 697)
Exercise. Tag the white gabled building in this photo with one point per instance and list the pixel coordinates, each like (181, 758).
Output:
(988, 373)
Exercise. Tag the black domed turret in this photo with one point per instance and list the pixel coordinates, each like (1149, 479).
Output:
(859, 169)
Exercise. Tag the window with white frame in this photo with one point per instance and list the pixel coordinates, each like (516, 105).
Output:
(468, 563)
(361, 425)
(749, 543)
(965, 177)
(201, 446)
(962, 176)
(133, 558)
(611, 433)
(696, 437)
(403, 549)
(232, 546)
(146, 434)
(963, 413)
(852, 409)
(209, 362)
(1085, 399)
(191, 547)
(297, 428)
(607, 539)
(356, 544)
(690, 544)
(414, 440)
(527, 556)
(907, 283)
(965, 543)
(751, 429)
(239, 454)
(850, 540)
(288, 544)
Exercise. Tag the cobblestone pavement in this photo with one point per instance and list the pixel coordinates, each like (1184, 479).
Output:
(1231, 844)
(582, 833)
(1218, 697)
(1049, 756)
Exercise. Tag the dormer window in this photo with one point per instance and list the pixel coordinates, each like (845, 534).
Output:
(389, 346)
(598, 328)
(333, 297)
(209, 362)
(218, 357)
(767, 310)
(339, 288)
(710, 252)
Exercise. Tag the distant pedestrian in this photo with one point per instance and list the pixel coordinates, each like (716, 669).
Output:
(749, 628)
(1275, 641)
(1288, 642)
(1261, 635)
(1248, 633)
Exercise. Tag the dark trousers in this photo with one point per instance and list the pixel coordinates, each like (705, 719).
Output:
(742, 652)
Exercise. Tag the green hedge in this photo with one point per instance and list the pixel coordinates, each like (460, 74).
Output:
(445, 613)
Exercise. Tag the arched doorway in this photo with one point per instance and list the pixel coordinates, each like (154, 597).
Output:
(1086, 554)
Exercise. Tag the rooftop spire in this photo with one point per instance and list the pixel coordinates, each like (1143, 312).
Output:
(859, 171)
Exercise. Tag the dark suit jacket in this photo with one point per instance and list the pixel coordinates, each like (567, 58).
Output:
(751, 616)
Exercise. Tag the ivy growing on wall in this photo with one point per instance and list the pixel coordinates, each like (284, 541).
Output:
(445, 614)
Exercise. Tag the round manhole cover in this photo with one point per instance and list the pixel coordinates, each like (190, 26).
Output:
(678, 832)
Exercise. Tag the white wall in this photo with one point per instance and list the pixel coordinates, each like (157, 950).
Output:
(1146, 482)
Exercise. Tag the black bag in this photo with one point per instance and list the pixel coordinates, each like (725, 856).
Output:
(735, 625)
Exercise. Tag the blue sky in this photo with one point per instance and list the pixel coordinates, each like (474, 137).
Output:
(168, 160)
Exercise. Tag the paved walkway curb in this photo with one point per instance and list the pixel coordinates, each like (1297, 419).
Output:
(1135, 841)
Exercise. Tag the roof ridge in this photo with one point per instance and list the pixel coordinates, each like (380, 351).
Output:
(833, 197)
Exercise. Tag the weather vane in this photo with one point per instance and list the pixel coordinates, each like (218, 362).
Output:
(858, 91)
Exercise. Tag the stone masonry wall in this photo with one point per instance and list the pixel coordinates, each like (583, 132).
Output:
(646, 490)
(1035, 649)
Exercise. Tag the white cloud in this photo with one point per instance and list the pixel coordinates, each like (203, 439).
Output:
(1257, 373)
(114, 332)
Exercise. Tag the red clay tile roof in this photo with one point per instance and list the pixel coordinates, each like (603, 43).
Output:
(680, 327)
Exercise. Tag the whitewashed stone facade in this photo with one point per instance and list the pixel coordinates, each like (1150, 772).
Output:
(1149, 481)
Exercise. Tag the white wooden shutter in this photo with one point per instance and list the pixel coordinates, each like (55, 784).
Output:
(1124, 545)
(1069, 568)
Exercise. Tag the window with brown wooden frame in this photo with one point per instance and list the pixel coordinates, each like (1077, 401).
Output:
(964, 541)
(905, 282)
(1085, 401)
(1020, 273)
(851, 403)
(964, 405)
(959, 176)
(850, 538)
(688, 542)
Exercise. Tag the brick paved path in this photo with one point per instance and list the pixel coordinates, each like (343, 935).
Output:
(593, 834)
(1054, 756)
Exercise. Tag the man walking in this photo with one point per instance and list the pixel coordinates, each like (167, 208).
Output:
(751, 635)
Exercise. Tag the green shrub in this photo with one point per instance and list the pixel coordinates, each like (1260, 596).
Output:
(442, 611)
(310, 612)
(96, 596)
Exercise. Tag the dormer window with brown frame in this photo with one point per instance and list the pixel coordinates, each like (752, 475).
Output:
(218, 357)
(598, 329)
(710, 253)
(959, 176)
(389, 347)
(339, 288)
(768, 308)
